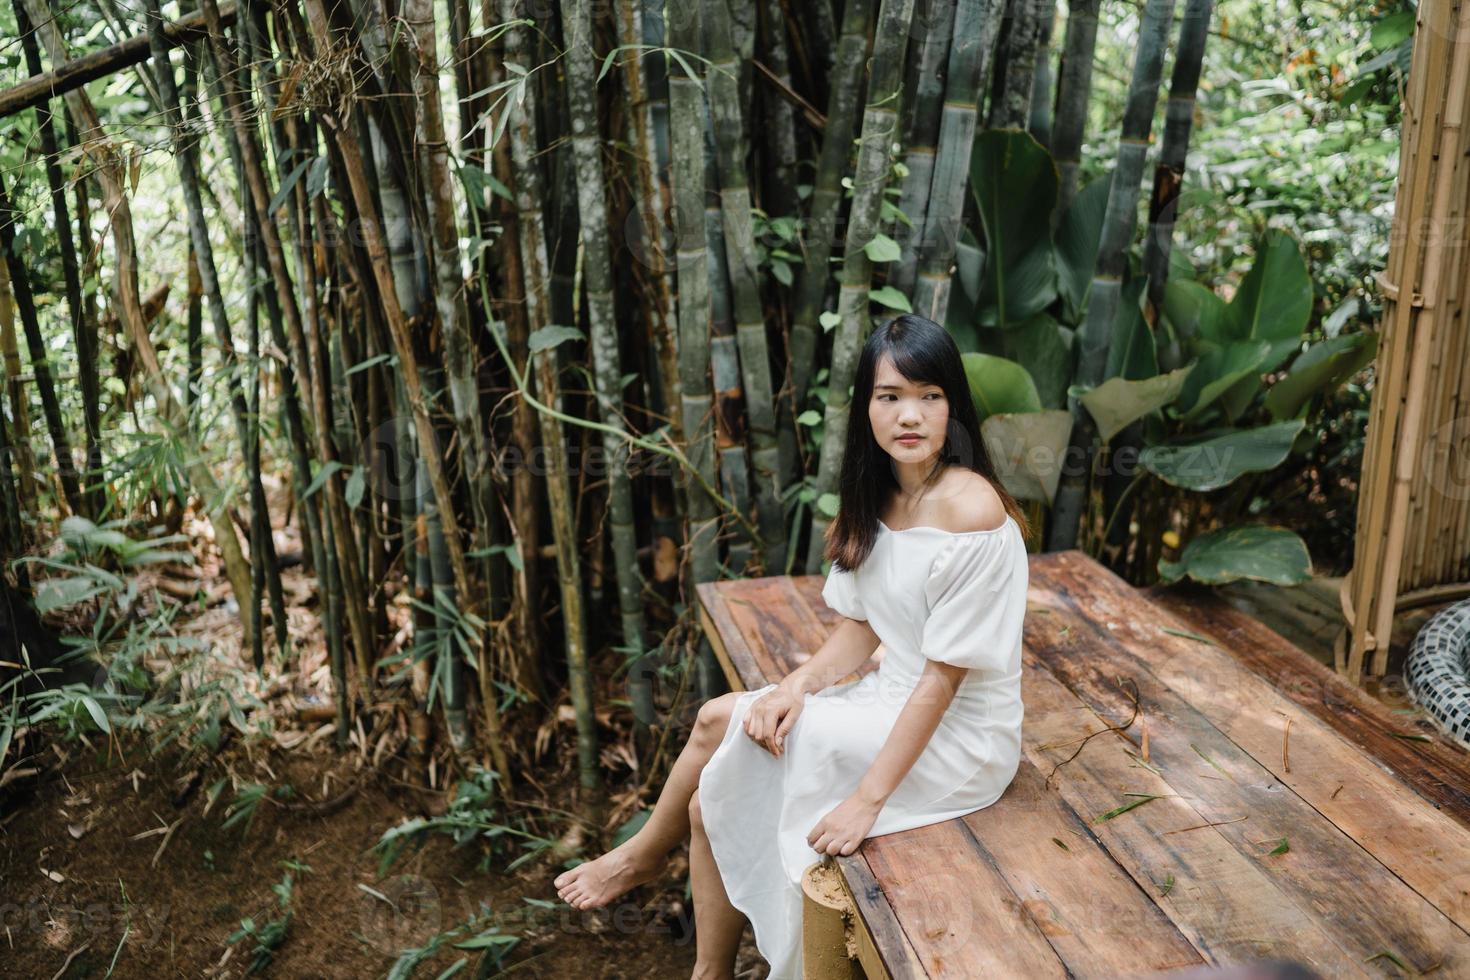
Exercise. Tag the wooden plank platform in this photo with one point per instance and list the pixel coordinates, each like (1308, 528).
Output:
(1278, 812)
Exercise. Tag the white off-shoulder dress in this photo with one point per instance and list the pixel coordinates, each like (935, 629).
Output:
(929, 594)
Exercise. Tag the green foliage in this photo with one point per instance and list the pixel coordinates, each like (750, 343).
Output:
(473, 814)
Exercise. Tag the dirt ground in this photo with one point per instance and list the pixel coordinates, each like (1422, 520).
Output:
(80, 891)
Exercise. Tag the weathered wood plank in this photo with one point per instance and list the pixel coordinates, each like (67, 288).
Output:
(1435, 770)
(1419, 842)
(1228, 906)
(956, 910)
(1094, 914)
(1371, 909)
(736, 658)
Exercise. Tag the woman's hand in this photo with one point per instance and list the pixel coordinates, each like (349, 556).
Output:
(771, 717)
(845, 827)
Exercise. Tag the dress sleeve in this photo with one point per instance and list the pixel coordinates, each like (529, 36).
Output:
(840, 593)
(976, 593)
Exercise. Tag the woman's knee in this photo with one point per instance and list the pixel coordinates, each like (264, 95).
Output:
(714, 716)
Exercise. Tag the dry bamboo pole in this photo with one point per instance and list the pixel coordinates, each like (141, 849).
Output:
(1361, 588)
(187, 164)
(109, 173)
(19, 404)
(1426, 329)
(875, 161)
(258, 195)
(82, 330)
(651, 202)
(362, 193)
(25, 304)
(527, 651)
(66, 76)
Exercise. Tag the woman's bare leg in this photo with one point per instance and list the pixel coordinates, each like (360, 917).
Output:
(718, 925)
(641, 857)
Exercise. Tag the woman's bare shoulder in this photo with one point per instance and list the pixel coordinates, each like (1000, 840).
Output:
(969, 503)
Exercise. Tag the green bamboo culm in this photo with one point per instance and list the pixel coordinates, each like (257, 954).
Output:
(744, 272)
(875, 161)
(971, 53)
(1010, 101)
(820, 230)
(581, 79)
(925, 91)
(536, 271)
(1174, 148)
(696, 401)
(1074, 86)
(1119, 223)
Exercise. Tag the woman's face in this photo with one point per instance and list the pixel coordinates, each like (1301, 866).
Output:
(909, 420)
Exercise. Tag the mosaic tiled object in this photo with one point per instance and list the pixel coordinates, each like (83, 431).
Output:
(1438, 670)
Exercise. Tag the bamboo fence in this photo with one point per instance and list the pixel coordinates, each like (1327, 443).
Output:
(1412, 543)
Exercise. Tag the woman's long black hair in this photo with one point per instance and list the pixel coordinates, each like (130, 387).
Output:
(925, 353)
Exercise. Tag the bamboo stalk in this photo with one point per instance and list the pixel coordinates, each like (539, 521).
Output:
(1174, 149)
(875, 160)
(130, 312)
(750, 324)
(535, 268)
(82, 331)
(820, 234)
(687, 185)
(972, 48)
(25, 304)
(1074, 86)
(581, 79)
(1119, 223)
(1010, 101)
(926, 70)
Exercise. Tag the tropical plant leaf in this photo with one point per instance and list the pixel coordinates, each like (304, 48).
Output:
(1263, 553)
(1220, 460)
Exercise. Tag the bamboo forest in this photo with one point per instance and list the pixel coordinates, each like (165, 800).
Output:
(393, 387)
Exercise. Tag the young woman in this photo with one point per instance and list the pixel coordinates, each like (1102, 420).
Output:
(929, 560)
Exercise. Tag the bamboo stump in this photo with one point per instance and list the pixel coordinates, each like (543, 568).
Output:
(826, 914)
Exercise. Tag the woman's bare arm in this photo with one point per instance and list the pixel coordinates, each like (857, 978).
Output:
(849, 646)
(915, 724)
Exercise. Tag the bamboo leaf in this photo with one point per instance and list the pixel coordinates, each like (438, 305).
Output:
(810, 417)
(828, 320)
(356, 487)
(286, 185)
(552, 336)
(322, 474)
(881, 248)
(891, 298)
(370, 362)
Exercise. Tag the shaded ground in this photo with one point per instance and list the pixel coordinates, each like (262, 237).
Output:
(76, 859)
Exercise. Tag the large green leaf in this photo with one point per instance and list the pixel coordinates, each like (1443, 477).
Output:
(1027, 449)
(1117, 402)
(1194, 312)
(1268, 554)
(1218, 368)
(1015, 185)
(1274, 301)
(1217, 461)
(1045, 348)
(1077, 238)
(1132, 353)
(998, 385)
(1321, 367)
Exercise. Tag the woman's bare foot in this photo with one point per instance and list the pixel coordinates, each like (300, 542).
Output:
(595, 883)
